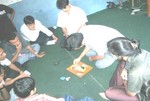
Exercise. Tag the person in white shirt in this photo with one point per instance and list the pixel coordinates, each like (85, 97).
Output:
(70, 18)
(34, 32)
(95, 38)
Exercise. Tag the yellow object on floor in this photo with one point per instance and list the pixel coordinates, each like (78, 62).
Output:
(79, 70)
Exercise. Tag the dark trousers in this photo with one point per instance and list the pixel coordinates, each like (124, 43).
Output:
(63, 42)
(116, 79)
(43, 38)
(9, 73)
(116, 90)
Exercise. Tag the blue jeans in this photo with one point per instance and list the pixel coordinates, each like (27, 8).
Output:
(28, 55)
(103, 63)
(71, 98)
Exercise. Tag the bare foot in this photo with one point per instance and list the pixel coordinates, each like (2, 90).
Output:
(102, 94)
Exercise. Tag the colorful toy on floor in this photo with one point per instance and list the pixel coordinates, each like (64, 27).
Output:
(79, 70)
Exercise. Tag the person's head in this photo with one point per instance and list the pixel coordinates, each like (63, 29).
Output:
(30, 22)
(2, 54)
(124, 47)
(63, 5)
(24, 87)
(74, 41)
(13, 39)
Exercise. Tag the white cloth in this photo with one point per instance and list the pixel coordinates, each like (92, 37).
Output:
(5, 62)
(13, 96)
(32, 35)
(97, 36)
(73, 20)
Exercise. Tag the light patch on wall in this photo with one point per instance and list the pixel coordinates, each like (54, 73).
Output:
(9, 2)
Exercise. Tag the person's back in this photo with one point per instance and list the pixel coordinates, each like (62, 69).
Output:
(99, 33)
(97, 36)
(139, 68)
(6, 24)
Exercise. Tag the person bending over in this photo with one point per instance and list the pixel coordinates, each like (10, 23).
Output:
(95, 38)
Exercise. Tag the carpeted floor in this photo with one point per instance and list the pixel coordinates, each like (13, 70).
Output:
(48, 70)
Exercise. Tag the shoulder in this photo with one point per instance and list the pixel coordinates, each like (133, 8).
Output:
(6, 45)
(23, 27)
(61, 13)
(91, 27)
(3, 6)
(5, 62)
(77, 9)
(6, 8)
(37, 21)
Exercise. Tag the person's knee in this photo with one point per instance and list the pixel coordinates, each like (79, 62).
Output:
(108, 93)
(22, 61)
(100, 66)
(103, 64)
(36, 47)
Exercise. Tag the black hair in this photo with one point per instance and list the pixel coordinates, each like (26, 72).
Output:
(61, 4)
(24, 86)
(122, 46)
(74, 41)
(2, 70)
(11, 36)
(28, 19)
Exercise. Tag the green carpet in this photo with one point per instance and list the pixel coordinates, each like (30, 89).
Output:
(48, 70)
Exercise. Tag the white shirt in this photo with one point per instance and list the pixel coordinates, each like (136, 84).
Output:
(73, 20)
(32, 35)
(97, 36)
(5, 62)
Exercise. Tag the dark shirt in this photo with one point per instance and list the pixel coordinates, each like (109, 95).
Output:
(138, 71)
(11, 49)
(6, 25)
(11, 74)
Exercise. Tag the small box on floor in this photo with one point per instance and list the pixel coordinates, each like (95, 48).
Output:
(79, 70)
